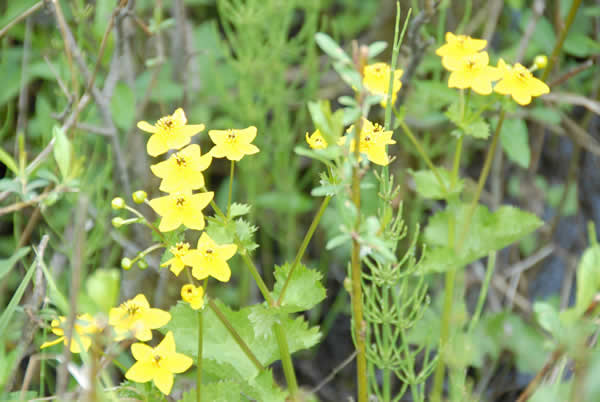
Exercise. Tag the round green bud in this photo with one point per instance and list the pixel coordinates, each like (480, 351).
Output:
(348, 284)
(139, 196)
(142, 264)
(118, 203)
(118, 222)
(126, 263)
(540, 61)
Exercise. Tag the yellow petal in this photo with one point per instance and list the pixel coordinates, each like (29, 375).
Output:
(145, 126)
(219, 270)
(162, 169)
(166, 346)
(218, 137)
(179, 117)
(190, 130)
(199, 272)
(218, 151)
(205, 241)
(482, 86)
(503, 87)
(538, 87)
(201, 200)
(459, 79)
(79, 342)
(52, 343)
(162, 205)
(522, 97)
(378, 156)
(143, 334)
(169, 223)
(156, 318)
(157, 145)
(142, 352)
(177, 363)
(177, 265)
(141, 300)
(247, 134)
(226, 251)
(248, 149)
(140, 372)
(163, 379)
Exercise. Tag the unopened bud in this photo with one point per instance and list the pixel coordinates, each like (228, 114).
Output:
(117, 203)
(348, 284)
(139, 196)
(540, 61)
(142, 264)
(118, 222)
(126, 263)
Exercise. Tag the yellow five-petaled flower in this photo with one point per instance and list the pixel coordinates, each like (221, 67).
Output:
(459, 46)
(183, 170)
(233, 144)
(518, 82)
(136, 317)
(210, 259)
(181, 208)
(316, 140)
(194, 295)
(376, 79)
(84, 326)
(169, 132)
(157, 364)
(176, 263)
(473, 71)
(373, 141)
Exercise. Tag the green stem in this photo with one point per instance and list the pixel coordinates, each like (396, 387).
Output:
(231, 173)
(257, 278)
(146, 221)
(491, 263)
(456, 164)
(357, 298)
(304, 245)
(235, 335)
(214, 205)
(561, 39)
(387, 374)
(286, 361)
(422, 153)
(199, 360)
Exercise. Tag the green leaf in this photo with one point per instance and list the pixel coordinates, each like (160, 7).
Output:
(376, 48)
(239, 209)
(304, 290)
(331, 48)
(280, 201)
(580, 45)
(103, 288)
(8, 161)
(7, 264)
(222, 391)
(349, 75)
(11, 308)
(548, 318)
(514, 139)
(488, 232)
(477, 129)
(62, 151)
(588, 278)
(329, 124)
(428, 185)
(221, 347)
(122, 106)
(263, 318)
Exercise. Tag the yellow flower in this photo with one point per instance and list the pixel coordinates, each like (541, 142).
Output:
(136, 316)
(183, 170)
(473, 71)
(377, 80)
(181, 208)
(169, 132)
(518, 82)
(210, 259)
(373, 140)
(84, 326)
(157, 364)
(459, 46)
(233, 144)
(176, 263)
(193, 295)
(316, 140)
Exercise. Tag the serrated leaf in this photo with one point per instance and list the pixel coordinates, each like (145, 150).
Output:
(331, 48)
(221, 347)
(245, 233)
(262, 319)
(588, 278)
(488, 232)
(62, 151)
(477, 129)
(238, 209)
(429, 187)
(304, 290)
(514, 139)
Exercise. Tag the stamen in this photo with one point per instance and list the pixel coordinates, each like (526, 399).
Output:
(180, 201)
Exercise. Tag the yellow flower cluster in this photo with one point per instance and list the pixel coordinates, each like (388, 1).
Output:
(376, 79)
(469, 68)
(373, 141)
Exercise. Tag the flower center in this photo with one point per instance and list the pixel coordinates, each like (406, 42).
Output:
(180, 201)
(209, 253)
(231, 136)
(132, 308)
(166, 123)
(156, 360)
(180, 161)
(180, 249)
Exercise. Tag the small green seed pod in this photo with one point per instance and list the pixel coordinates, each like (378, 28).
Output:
(139, 196)
(118, 222)
(126, 263)
(540, 61)
(142, 264)
(117, 203)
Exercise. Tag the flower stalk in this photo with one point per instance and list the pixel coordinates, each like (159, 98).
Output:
(199, 360)
(231, 173)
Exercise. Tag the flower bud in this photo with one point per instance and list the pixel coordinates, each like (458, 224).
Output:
(117, 203)
(126, 263)
(139, 196)
(142, 264)
(540, 61)
(118, 222)
(348, 284)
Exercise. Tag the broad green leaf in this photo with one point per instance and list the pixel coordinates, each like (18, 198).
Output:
(304, 290)
(580, 45)
(8, 161)
(7, 264)
(263, 318)
(488, 232)
(428, 185)
(222, 391)
(477, 129)
(62, 151)
(331, 48)
(221, 347)
(376, 48)
(588, 278)
(349, 75)
(546, 114)
(122, 106)
(548, 318)
(515, 141)
(103, 288)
